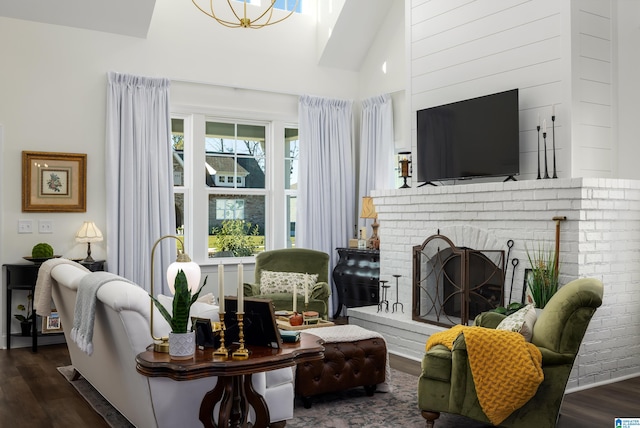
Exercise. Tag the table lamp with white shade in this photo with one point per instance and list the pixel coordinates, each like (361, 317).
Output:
(89, 233)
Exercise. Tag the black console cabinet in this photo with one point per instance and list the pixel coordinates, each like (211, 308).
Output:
(23, 276)
(356, 277)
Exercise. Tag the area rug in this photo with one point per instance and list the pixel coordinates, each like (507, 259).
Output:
(97, 401)
(348, 409)
(354, 409)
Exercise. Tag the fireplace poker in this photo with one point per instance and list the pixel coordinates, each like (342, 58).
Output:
(510, 245)
(558, 219)
(514, 262)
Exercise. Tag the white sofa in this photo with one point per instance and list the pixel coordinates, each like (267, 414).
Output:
(121, 331)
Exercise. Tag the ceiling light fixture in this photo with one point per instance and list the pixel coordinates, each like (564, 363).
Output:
(262, 20)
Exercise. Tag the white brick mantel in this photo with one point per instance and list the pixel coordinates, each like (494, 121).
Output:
(600, 238)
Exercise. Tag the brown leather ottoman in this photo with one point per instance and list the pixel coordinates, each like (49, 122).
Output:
(347, 364)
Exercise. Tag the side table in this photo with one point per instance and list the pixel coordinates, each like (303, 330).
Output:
(234, 390)
(23, 276)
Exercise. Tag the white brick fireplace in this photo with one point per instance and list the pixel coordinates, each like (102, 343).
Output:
(600, 238)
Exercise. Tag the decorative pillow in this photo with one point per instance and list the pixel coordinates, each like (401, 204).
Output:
(521, 322)
(283, 282)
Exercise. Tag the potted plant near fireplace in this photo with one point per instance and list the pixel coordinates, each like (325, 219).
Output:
(181, 342)
(542, 278)
(25, 321)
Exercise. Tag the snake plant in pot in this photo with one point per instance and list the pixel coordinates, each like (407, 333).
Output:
(181, 341)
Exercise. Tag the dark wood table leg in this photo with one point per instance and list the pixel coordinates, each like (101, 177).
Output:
(223, 393)
(257, 402)
(236, 396)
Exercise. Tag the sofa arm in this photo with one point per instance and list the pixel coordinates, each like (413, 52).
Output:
(251, 290)
(320, 291)
(552, 358)
(488, 319)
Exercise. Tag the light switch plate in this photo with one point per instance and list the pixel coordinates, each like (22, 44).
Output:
(45, 226)
(25, 226)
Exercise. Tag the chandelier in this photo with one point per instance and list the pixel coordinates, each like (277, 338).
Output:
(241, 20)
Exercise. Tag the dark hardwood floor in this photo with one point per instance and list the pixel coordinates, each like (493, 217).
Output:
(34, 394)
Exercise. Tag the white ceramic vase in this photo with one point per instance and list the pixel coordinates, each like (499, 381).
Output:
(182, 346)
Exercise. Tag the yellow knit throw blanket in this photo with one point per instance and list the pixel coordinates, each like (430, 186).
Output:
(506, 369)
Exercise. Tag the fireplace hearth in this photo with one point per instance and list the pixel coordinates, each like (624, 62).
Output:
(451, 285)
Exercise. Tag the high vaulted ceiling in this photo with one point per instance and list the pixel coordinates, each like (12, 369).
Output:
(126, 17)
(353, 33)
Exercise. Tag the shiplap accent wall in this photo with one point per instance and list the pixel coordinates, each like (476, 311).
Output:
(557, 53)
(594, 149)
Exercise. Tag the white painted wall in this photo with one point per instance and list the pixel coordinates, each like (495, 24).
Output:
(54, 91)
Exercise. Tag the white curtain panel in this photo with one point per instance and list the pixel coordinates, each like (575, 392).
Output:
(139, 174)
(326, 194)
(377, 158)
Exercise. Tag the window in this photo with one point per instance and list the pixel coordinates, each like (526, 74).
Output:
(229, 209)
(239, 206)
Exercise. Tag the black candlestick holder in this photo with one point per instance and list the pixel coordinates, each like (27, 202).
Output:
(383, 296)
(538, 153)
(553, 128)
(397, 303)
(546, 170)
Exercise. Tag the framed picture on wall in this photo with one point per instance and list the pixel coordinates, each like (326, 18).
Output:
(54, 182)
(51, 323)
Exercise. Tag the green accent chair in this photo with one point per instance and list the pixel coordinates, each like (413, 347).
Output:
(300, 260)
(446, 383)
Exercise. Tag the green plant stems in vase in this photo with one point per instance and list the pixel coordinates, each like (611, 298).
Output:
(542, 280)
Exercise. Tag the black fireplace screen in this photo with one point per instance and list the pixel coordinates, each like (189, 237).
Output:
(451, 285)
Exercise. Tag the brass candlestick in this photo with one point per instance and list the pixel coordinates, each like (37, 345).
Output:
(241, 352)
(222, 350)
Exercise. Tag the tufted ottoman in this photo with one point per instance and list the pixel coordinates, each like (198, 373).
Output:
(353, 357)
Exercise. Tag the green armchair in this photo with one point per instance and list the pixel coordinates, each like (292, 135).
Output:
(446, 383)
(296, 260)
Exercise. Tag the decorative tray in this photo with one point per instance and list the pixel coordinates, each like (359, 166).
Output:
(39, 260)
(283, 324)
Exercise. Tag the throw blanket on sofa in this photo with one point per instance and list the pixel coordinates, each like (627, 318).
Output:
(85, 310)
(42, 295)
(506, 369)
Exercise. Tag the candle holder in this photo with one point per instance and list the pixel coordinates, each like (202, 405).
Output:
(397, 303)
(538, 154)
(383, 296)
(222, 350)
(404, 168)
(241, 352)
(553, 129)
(546, 171)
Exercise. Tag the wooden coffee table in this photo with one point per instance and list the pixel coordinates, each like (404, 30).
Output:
(234, 390)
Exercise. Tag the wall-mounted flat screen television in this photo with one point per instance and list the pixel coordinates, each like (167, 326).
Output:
(478, 137)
